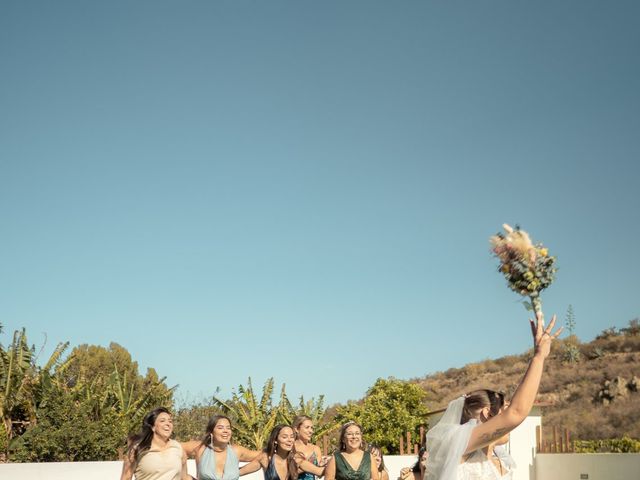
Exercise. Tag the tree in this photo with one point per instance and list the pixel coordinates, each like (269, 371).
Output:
(110, 378)
(76, 408)
(23, 384)
(390, 408)
(68, 430)
(190, 420)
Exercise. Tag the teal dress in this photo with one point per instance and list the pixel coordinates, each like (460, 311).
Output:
(207, 465)
(271, 473)
(345, 472)
(307, 475)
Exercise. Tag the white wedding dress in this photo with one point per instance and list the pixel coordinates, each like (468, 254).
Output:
(447, 442)
(479, 467)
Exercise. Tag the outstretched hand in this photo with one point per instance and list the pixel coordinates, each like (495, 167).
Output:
(542, 337)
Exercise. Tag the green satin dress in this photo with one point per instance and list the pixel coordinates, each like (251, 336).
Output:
(345, 472)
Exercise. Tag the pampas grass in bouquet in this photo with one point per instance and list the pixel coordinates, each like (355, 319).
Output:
(527, 267)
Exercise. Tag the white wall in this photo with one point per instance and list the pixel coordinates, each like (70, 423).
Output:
(111, 470)
(598, 466)
(547, 466)
(522, 446)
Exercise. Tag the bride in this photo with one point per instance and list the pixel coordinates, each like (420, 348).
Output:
(461, 444)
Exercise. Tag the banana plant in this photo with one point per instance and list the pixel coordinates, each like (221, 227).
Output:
(253, 418)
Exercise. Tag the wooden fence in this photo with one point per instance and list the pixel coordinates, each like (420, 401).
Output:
(561, 442)
(411, 448)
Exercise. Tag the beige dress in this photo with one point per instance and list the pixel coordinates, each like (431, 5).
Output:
(161, 464)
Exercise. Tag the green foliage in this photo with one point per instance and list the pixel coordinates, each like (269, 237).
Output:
(615, 445)
(190, 421)
(571, 352)
(67, 430)
(253, 418)
(76, 408)
(312, 408)
(108, 378)
(390, 408)
(22, 384)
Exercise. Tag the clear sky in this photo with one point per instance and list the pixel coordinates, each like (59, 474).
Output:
(306, 189)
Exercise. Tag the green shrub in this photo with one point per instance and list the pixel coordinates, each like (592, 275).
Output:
(612, 445)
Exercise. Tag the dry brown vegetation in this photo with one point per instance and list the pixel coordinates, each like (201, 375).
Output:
(569, 390)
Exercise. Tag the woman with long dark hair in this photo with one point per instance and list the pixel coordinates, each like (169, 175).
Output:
(417, 471)
(151, 453)
(458, 444)
(378, 462)
(351, 462)
(277, 459)
(216, 458)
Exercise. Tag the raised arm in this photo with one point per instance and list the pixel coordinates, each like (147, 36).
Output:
(244, 454)
(306, 466)
(191, 447)
(522, 401)
(330, 470)
(254, 465)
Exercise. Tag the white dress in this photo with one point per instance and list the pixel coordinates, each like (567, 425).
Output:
(479, 467)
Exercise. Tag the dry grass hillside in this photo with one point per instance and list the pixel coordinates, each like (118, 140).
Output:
(595, 396)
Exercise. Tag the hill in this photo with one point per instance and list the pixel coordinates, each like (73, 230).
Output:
(589, 388)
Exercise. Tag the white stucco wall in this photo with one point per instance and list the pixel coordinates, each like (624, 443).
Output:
(549, 466)
(112, 470)
(522, 446)
(587, 466)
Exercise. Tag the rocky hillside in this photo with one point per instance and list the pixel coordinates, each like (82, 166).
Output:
(589, 388)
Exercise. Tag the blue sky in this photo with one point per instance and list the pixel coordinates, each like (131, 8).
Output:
(305, 190)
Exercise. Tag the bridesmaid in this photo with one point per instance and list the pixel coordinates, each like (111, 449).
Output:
(216, 458)
(378, 460)
(351, 462)
(303, 429)
(151, 453)
(417, 471)
(277, 460)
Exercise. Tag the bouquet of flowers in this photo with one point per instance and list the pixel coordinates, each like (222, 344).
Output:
(528, 268)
